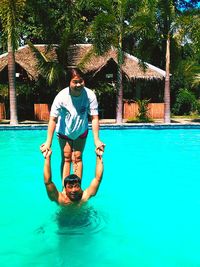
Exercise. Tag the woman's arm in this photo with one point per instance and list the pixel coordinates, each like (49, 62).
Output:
(95, 129)
(50, 132)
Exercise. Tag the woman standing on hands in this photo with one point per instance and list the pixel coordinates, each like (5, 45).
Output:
(69, 117)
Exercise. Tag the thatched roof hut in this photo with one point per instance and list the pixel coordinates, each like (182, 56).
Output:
(82, 55)
(25, 58)
(131, 66)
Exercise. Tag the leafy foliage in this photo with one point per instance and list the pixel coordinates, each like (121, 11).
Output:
(142, 115)
(142, 109)
(185, 102)
(50, 69)
(103, 39)
(21, 89)
(11, 12)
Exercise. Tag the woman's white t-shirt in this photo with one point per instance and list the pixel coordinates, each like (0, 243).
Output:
(72, 111)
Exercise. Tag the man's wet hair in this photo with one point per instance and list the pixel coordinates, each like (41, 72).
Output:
(72, 179)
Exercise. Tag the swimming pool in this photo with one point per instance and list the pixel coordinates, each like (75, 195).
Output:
(146, 212)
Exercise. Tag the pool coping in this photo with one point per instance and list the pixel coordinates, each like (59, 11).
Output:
(110, 126)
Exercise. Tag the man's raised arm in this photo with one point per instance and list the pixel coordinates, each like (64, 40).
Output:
(50, 186)
(94, 186)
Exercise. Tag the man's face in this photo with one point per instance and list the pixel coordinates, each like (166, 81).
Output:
(73, 191)
(76, 85)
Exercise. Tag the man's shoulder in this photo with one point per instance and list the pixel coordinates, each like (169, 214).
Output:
(63, 199)
(85, 195)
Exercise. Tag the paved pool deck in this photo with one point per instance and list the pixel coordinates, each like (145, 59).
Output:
(179, 123)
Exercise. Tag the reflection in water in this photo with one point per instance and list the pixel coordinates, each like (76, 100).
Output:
(69, 232)
(79, 220)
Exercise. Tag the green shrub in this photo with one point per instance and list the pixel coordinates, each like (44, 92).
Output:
(142, 109)
(198, 106)
(142, 115)
(21, 89)
(3, 90)
(186, 103)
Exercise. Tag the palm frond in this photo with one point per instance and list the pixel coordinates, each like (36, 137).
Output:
(11, 14)
(86, 59)
(104, 33)
(49, 68)
(196, 80)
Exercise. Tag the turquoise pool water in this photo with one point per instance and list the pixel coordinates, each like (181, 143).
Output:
(146, 213)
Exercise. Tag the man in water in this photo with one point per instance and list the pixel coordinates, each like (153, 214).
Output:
(72, 192)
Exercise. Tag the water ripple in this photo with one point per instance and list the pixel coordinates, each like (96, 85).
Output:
(79, 221)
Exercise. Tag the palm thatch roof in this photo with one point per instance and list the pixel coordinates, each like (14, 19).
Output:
(83, 55)
(27, 60)
(132, 66)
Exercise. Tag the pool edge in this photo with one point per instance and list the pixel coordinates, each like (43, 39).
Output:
(110, 126)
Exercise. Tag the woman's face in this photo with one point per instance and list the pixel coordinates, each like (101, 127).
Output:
(76, 85)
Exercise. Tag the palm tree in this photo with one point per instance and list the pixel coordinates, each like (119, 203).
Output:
(167, 82)
(171, 21)
(118, 20)
(119, 106)
(167, 11)
(10, 11)
(108, 29)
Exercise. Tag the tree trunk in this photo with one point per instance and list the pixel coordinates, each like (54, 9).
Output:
(12, 88)
(167, 83)
(119, 107)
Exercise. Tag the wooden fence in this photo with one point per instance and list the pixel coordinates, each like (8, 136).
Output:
(41, 112)
(2, 111)
(155, 110)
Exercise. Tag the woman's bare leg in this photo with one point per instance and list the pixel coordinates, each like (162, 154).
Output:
(66, 157)
(78, 147)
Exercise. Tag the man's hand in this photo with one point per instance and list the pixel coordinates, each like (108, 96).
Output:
(46, 150)
(48, 153)
(99, 150)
